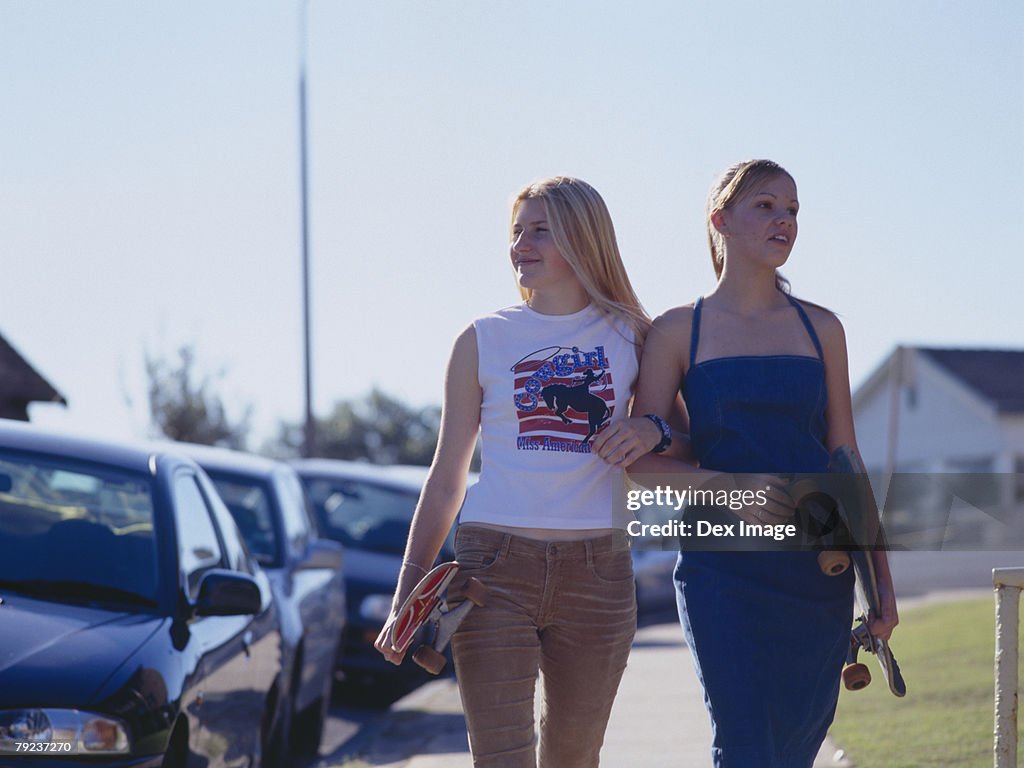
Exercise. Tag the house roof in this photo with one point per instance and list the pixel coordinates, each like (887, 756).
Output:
(20, 381)
(995, 374)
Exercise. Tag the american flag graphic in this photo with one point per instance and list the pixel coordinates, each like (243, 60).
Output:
(575, 388)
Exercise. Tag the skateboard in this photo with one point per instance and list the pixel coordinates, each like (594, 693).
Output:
(839, 513)
(817, 499)
(859, 514)
(426, 604)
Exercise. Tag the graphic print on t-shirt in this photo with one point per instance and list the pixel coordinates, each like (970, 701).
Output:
(563, 396)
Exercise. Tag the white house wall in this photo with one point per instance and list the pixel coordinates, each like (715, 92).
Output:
(948, 426)
(871, 421)
(952, 421)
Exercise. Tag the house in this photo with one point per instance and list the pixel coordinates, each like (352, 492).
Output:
(947, 427)
(21, 384)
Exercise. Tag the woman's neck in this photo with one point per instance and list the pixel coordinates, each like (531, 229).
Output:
(748, 293)
(562, 300)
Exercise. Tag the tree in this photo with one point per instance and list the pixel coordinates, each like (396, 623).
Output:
(378, 428)
(185, 408)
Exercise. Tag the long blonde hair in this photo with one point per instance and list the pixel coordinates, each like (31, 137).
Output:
(585, 237)
(733, 185)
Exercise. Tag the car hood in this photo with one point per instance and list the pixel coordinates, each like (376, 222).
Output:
(73, 648)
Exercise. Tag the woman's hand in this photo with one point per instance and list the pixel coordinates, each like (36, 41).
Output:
(408, 578)
(765, 497)
(882, 625)
(382, 645)
(778, 508)
(623, 442)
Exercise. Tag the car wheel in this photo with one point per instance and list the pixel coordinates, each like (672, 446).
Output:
(276, 734)
(176, 755)
(309, 724)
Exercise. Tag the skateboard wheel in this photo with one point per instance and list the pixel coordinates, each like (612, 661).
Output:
(856, 677)
(833, 562)
(429, 659)
(476, 592)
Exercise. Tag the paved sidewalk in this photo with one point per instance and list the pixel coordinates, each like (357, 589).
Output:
(658, 719)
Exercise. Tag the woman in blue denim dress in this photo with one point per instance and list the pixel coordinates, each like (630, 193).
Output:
(766, 386)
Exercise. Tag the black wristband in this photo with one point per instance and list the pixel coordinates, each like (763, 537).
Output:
(666, 432)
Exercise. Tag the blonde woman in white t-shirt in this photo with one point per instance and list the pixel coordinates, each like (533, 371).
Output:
(542, 382)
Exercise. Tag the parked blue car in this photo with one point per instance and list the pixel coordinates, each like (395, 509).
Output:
(368, 509)
(135, 628)
(654, 562)
(267, 501)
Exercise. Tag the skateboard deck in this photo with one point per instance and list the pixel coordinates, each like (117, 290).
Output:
(426, 604)
(859, 513)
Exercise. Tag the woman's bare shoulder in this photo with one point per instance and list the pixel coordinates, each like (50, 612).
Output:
(669, 336)
(675, 319)
(826, 324)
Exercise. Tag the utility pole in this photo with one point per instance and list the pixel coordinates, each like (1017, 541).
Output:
(309, 430)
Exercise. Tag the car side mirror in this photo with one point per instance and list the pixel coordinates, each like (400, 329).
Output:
(321, 553)
(228, 593)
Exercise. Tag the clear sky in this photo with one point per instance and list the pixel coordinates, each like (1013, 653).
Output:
(149, 183)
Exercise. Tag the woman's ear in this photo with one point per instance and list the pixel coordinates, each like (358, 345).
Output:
(718, 221)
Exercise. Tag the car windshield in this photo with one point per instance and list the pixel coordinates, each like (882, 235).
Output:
(249, 503)
(73, 532)
(363, 515)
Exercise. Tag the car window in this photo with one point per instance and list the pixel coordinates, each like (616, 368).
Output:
(294, 514)
(309, 513)
(237, 553)
(363, 515)
(248, 501)
(75, 531)
(198, 547)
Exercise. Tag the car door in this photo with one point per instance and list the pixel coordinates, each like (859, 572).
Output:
(224, 704)
(317, 591)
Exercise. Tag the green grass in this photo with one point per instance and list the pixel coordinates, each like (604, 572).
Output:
(946, 654)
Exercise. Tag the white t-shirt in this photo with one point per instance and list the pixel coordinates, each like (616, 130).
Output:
(550, 383)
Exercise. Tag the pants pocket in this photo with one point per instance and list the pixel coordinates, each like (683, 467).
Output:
(612, 568)
(477, 552)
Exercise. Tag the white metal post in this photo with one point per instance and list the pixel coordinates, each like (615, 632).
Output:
(1008, 583)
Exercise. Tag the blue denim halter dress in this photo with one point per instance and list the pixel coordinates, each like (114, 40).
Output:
(768, 631)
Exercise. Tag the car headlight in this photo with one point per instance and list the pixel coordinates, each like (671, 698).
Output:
(56, 731)
(375, 608)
